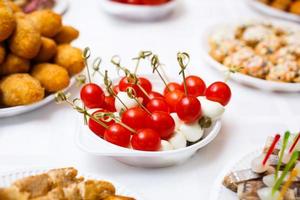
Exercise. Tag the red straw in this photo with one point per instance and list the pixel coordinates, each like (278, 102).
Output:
(295, 143)
(271, 149)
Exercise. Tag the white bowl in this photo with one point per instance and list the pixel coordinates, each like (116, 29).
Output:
(138, 12)
(17, 110)
(239, 77)
(61, 6)
(92, 144)
(7, 178)
(268, 10)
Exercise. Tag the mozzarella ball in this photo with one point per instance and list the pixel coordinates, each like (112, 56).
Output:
(178, 140)
(211, 109)
(176, 119)
(126, 100)
(165, 146)
(192, 132)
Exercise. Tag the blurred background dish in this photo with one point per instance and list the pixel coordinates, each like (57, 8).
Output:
(58, 6)
(139, 12)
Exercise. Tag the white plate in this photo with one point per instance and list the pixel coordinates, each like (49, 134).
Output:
(218, 191)
(17, 110)
(61, 6)
(6, 179)
(239, 77)
(138, 12)
(268, 10)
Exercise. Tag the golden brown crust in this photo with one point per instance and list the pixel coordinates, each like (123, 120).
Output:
(117, 197)
(92, 189)
(2, 53)
(26, 40)
(20, 89)
(66, 35)
(14, 7)
(70, 58)
(7, 21)
(47, 22)
(14, 64)
(295, 8)
(47, 50)
(52, 77)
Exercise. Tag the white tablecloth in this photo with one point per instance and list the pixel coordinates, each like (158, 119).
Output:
(45, 138)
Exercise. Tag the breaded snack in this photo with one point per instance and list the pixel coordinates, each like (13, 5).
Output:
(14, 64)
(14, 7)
(66, 35)
(20, 89)
(26, 40)
(7, 21)
(52, 77)
(295, 8)
(47, 22)
(70, 58)
(47, 50)
(117, 197)
(93, 189)
(281, 4)
(2, 53)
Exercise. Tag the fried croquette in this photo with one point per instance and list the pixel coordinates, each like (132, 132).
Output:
(14, 7)
(20, 89)
(26, 40)
(14, 64)
(52, 77)
(47, 50)
(7, 21)
(47, 22)
(2, 53)
(295, 8)
(70, 58)
(66, 35)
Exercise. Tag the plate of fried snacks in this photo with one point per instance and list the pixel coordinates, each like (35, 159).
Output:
(257, 53)
(36, 59)
(27, 6)
(59, 184)
(284, 9)
(268, 174)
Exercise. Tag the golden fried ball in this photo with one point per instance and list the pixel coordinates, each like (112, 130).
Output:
(14, 7)
(7, 21)
(70, 58)
(20, 89)
(47, 50)
(2, 53)
(47, 22)
(295, 8)
(26, 40)
(66, 35)
(52, 77)
(14, 64)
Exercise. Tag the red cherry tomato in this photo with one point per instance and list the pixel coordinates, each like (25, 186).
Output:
(162, 123)
(188, 109)
(110, 104)
(153, 95)
(172, 86)
(146, 140)
(154, 2)
(158, 104)
(172, 98)
(219, 92)
(146, 84)
(135, 118)
(118, 135)
(125, 82)
(92, 95)
(195, 86)
(96, 127)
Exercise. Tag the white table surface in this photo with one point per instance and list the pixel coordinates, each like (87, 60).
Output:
(45, 138)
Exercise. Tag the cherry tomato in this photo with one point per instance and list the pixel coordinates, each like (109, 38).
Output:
(188, 109)
(96, 127)
(116, 89)
(109, 104)
(172, 86)
(118, 135)
(163, 123)
(135, 118)
(146, 84)
(154, 94)
(219, 92)
(172, 98)
(158, 104)
(146, 140)
(125, 82)
(154, 2)
(92, 95)
(195, 86)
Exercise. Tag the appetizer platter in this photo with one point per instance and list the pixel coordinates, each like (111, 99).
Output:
(59, 184)
(144, 10)
(58, 6)
(284, 9)
(35, 62)
(268, 174)
(257, 53)
(144, 118)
